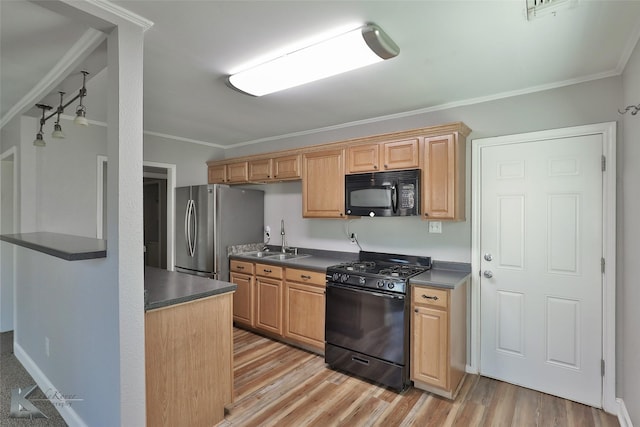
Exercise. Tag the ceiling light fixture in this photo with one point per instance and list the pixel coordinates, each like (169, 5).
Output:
(80, 119)
(348, 51)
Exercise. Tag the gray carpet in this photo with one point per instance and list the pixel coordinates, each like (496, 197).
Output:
(13, 375)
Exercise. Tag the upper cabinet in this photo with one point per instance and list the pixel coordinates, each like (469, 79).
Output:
(323, 184)
(400, 154)
(443, 177)
(438, 151)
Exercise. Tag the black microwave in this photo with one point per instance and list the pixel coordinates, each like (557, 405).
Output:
(392, 193)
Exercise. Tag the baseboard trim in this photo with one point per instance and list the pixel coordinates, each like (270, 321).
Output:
(623, 415)
(67, 412)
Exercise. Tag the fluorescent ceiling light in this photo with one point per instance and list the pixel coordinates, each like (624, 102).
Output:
(354, 49)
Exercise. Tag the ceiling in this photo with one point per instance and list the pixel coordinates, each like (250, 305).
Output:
(451, 53)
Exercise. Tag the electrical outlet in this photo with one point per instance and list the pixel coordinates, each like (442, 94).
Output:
(267, 231)
(435, 227)
(46, 346)
(353, 238)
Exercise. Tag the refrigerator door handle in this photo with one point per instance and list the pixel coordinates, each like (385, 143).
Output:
(187, 228)
(195, 227)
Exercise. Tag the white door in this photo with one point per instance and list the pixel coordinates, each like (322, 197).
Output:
(541, 232)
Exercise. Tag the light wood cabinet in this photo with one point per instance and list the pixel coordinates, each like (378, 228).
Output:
(391, 155)
(287, 167)
(323, 184)
(189, 347)
(304, 306)
(443, 178)
(217, 174)
(238, 172)
(243, 297)
(260, 170)
(268, 298)
(438, 339)
(231, 173)
(275, 169)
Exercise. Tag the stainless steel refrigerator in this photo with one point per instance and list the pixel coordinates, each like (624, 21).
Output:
(209, 218)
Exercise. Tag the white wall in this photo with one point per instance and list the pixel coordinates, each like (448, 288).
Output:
(628, 337)
(190, 159)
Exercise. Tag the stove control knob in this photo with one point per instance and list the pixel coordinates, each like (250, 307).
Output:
(344, 278)
(362, 280)
(335, 277)
(391, 285)
(380, 284)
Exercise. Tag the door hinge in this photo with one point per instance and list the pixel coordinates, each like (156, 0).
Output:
(604, 163)
(602, 263)
(602, 367)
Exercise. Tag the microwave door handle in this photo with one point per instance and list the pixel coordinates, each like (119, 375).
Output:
(394, 198)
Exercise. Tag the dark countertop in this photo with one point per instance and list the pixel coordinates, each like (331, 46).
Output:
(163, 288)
(447, 275)
(65, 246)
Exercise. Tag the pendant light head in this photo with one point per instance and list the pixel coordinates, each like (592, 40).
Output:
(39, 141)
(57, 129)
(348, 51)
(81, 110)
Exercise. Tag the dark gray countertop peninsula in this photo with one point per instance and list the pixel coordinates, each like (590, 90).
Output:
(164, 288)
(65, 246)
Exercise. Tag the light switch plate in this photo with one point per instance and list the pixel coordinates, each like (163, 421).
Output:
(435, 227)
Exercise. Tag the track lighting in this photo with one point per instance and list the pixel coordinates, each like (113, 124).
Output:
(80, 119)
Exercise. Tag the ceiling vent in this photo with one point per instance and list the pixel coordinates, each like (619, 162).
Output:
(540, 8)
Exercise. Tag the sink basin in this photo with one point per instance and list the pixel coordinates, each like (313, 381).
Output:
(259, 254)
(283, 257)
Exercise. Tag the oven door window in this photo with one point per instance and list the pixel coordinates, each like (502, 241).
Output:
(367, 322)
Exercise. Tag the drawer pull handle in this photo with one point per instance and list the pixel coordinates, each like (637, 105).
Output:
(430, 297)
(266, 271)
(360, 360)
(304, 276)
(240, 267)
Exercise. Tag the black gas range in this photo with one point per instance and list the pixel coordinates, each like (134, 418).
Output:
(380, 271)
(366, 323)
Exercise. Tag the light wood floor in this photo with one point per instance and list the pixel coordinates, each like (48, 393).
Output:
(278, 385)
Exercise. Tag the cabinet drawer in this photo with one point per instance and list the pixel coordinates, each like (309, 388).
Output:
(241, 266)
(430, 296)
(306, 276)
(267, 270)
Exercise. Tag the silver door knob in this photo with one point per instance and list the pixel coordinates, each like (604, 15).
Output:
(488, 257)
(488, 274)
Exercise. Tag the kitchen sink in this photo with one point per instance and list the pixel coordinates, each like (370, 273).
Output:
(274, 255)
(283, 257)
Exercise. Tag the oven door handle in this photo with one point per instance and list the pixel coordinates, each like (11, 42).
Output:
(363, 291)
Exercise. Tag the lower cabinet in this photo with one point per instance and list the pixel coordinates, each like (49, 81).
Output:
(439, 339)
(284, 303)
(304, 307)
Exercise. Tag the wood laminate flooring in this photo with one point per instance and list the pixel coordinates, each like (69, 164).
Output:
(279, 385)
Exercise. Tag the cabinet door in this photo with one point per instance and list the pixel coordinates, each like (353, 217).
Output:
(217, 174)
(401, 154)
(304, 314)
(443, 179)
(269, 305)
(238, 172)
(260, 170)
(363, 158)
(323, 184)
(429, 347)
(286, 167)
(243, 298)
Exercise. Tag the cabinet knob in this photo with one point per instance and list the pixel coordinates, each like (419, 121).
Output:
(386, 166)
(416, 310)
(375, 166)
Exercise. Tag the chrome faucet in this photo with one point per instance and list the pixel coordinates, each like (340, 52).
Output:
(284, 241)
